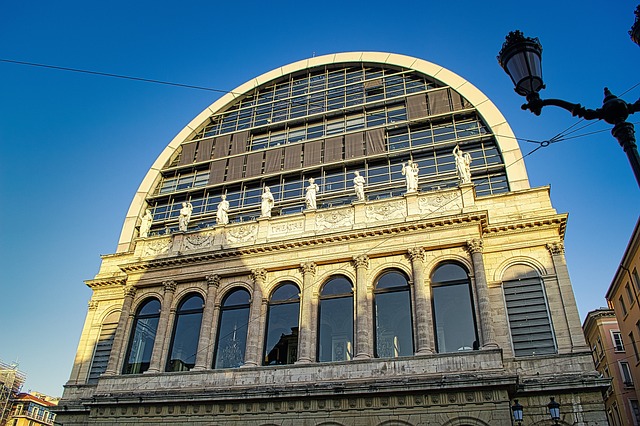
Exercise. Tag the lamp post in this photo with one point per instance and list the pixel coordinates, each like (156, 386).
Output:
(634, 32)
(521, 58)
(554, 410)
(518, 411)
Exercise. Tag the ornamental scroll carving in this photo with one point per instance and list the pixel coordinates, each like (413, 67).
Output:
(93, 305)
(416, 254)
(555, 248)
(155, 248)
(199, 241)
(287, 228)
(361, 261)
(259, 275)
(334, 219)
(441, 202)
(386, 211)
(308, 268)
(242, 234)
(475, 246)
(129, 291)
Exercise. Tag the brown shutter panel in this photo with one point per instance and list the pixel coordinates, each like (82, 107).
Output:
(417, 106)
(273, 160)
(375, 141)
(239, 143)
(458, 101)
(312, 153)
(222, 146)
(353, 145)
(188, 152)
(292, 157)
(333, 149)
(216, 174)
(371, 84)
(439, 101)
(204, 150)
(254, 164)
(234, 171)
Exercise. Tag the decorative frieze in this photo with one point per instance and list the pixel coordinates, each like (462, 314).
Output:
(213, 280)
(386, 211)
(308, 268)
(259, 275)
(287, 227)
(440, 202)
(198, 241)
(334, 219)
(416, 254)
(156, 247)
(242, 234)
(169, 286)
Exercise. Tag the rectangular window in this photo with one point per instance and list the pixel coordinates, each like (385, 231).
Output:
(622, 305)
(626, 373)
(636, 279)
(632, 300)
(617, 341)
(635, 346)
(635, 411)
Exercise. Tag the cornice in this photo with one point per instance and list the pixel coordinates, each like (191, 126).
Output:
(556, 221)
(106, 283)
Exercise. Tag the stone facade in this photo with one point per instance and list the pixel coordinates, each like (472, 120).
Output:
(413, 235)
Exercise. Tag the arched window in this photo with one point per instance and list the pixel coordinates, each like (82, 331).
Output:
(232, 330)
(335, 336)
(103, 346)
(186, 332)
(527, 311)
(281, 346)
(453, 309)
(143, 336)
(392, 311)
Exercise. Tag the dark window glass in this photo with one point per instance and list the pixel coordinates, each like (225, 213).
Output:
(232, 330)
(453, 309)
(143, 336)
(392, 301)
(335, 321)
(281, 345)
(186, 331)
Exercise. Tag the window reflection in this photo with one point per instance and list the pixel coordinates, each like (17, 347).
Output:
(335, 319)
(392, 304)
(453, 309)
(186, 332)
(142, 338)
(281, 346)
(232, 330)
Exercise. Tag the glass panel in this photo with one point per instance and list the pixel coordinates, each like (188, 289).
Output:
(286, 292)
(338, 285)
(335, 338)
(232, 338)
(391, 280)
(184, 344)
(454, 323)
(142, 338)
(281, 346)
(394, 335)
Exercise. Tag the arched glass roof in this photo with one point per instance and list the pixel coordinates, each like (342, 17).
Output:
(325, 118)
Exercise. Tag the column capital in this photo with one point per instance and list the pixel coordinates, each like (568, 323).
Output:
(92, 305)
(475, 245)
(416, 253)
(555, 248)
(213, 280)
(308, 268)
(259, 275)
(129, 291)
(169, 286)
(361, 261)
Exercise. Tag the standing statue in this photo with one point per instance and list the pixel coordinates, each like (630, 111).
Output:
(410, 172)
(185, 216)
(463, 164)
(222, 214)
(145, 225)
(267, 202)
(310, 197)
(358, 185)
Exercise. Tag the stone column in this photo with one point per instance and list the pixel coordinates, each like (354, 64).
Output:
(115, 365)
(82, 362)
(305, 338)
(158, 355)
(252, 355)
(572, 317)
(213, 335)
(422, 302)
(475, 247)
(364, 315)
(204, 340)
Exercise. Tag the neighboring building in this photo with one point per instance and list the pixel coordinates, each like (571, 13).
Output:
(11, 381)
(612, 361)
(622, 297)
(437, 300)
(31, 410)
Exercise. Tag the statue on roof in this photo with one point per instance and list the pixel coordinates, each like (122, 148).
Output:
(358, 185)
(311, 193)
(463, 165)
(410, 172)
(145, 224)
(267, 202)
(185, 216)
(222, 214)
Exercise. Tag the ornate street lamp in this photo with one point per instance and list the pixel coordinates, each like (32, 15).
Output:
(518, 410)
(554, 410)
(635, 28)
(521, 58)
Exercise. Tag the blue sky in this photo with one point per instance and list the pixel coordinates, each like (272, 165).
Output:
(75, 147)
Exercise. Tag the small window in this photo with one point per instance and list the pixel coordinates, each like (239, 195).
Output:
(335, 321)
(392, 311)
(281, 346)
(186, 333)
(622, 305)
(634, 346)
(626, 373)
(232, 330)
(143, 336)
(617, 341)
(630, 294)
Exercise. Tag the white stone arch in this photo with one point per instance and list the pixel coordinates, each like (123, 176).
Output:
(505, 139)
(465, 421)
(434, 263)
(519, 260)
(395, 423)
